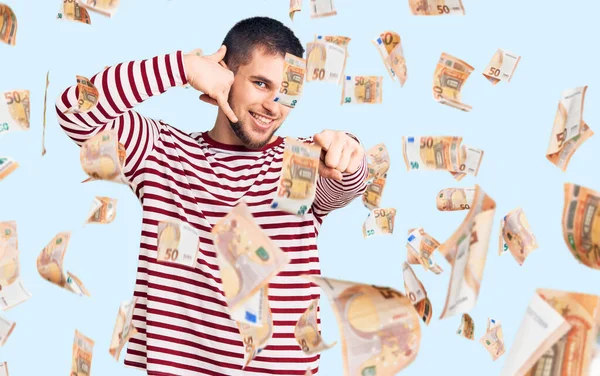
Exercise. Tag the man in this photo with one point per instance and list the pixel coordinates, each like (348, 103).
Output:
(182, 316)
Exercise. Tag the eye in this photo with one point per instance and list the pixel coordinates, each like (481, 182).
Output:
(260, 84)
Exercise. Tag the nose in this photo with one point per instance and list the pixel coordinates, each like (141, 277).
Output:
(271, 107)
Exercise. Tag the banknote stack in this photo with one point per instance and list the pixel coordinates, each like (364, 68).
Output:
(502, 67)
(569, 130)
(256, 334)
(467, 327)
(82, 355)
(379, 328)
(87, 97)
(380, 221)
(416, 293)
(124, 329)
(104, 7)
(6, 328)
(307, 331)
(441, 153)
(8, 25)
(103, 211)
(14, 111)
(72, 11)
(298, 181)
(516, 236)
(452, 199)
(178, 243)
(580, 224)
(50, 265)
(558, 333)
(294, 71)
(378, 162)
(420, 246)
(389, 46)
(12, 290)
(326, 58)
(362, 89)
(103, 158)
(436, 7)
(466, 251)
(448, 79)
(493, 339)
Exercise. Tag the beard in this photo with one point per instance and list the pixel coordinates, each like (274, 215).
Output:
(238, 129)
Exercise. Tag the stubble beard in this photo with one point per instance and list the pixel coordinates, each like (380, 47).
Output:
(238, 129)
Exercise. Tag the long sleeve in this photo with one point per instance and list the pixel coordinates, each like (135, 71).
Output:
(332, 194)
(120, 88)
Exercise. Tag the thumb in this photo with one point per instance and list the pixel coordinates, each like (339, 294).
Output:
(219, 55)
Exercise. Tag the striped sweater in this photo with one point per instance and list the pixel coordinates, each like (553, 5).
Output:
(182, 319)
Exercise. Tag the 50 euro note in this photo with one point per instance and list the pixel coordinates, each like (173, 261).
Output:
(559, 330)
(390, 49)
(71, 10)
(177, 243)
(452, 199)
(448, 79)
(50, 265)
(7, 166)
(502, 67)
(466, 251)
(124, 328)
(294, 71)
(416, 293)
(295, 6)
(297, 184)
(247, 257)
(6, 329)
(44, 114)
(256, 335)
(362, 89)
(8, 25)
(4, 369)
(379, 222)
(104, 7)
(325, 61)
(467, 327)
(569, 131)
(103, 211)
(441, 153)
(378, 163)
(379, 327)
(516, 236)
(581, 224)
(420, 247)
(307, 331)
(12, 290)
(103, 158)
(436, 7)
(83, 347)
(322, 8)
(14, 111)
(493, 339)
(87, 96)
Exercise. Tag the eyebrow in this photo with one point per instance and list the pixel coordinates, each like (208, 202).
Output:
(261, 78)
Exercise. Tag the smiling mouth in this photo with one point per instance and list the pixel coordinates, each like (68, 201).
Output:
(261, 121)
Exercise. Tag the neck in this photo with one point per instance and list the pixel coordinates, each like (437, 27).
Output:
(221, 131)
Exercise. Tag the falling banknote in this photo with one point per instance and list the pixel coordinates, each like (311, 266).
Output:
(177, 243)
(294, 71)
(103, 211)
(256, 336)
(72, 11)
(104, 7)
(8, 25)
(7, 166)
(3, 369)
(559, 330)
(307, 332)
(6, 328)
(569, 130)
(378, 163)
(379, 328)
(295, 6)
(325, 61)
(82, 355)
(441, 153)
(103, 158)
(516, 236)
(124, 328)
(467, 327)
(466, 251)
(50, 265)
(416, 293)
(448, 79)
(298, 180)
(379, 222)
(420, 246)
(44, 119)
(502, 67)
(390, 49)
(87, 97)
(14, 111)
(246, 255)
(362, 89)
(12, 291)
(493, 339)
(322, 8)
(581, 224)
(436, 7)
(452, 199)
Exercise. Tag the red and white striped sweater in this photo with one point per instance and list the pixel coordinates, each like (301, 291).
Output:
(182, 317)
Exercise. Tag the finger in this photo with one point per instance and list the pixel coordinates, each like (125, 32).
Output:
(224, 105)
(355, 162)
(329, 173)
(219, 55)
(334, 154)
(344, 160)
(206, 98)
(323, 139)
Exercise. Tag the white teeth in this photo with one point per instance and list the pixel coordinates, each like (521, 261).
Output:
(261, 119)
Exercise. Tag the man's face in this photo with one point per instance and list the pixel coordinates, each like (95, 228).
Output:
(251, 98)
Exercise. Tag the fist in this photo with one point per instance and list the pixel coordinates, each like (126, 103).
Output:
(340, 154)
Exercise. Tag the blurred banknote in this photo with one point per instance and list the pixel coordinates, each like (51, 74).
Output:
(7, 166)
(103, 211)
(82, 355)
(379, 328)
(420, 246)
(436, 7)
(558, 333)
(6, 328)
(378, 162)
(295, 6)
(362, 89)
(335, 39)
(493, 339)
(256, 336)
(307, 331)
(516, 236)
(389, 46)
(3, 369)
(467, 327)
(12, 291)
(466, 251)
(298, 180)
(124, 328)
(569, 130)
(502, 67)
(103, 158)
(71, 10)
(416, 293)
(87, 97)
(325, 61)
(50, 265)
(441, 153)
(44, 119)
(451, 199)
(581, 224)
(104, 7)
(8, 25)
(322, 8)
(448, 79)
(178, 243)
(379, 222)
(294, 71)
(14, 111)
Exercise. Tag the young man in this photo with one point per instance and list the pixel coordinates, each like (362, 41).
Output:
(183, 322)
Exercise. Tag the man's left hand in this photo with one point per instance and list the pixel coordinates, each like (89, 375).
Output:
(340, 154)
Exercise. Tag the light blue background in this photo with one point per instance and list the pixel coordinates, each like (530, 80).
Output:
(510, 122)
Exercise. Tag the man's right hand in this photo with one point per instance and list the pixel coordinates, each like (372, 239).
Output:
(210, 75)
